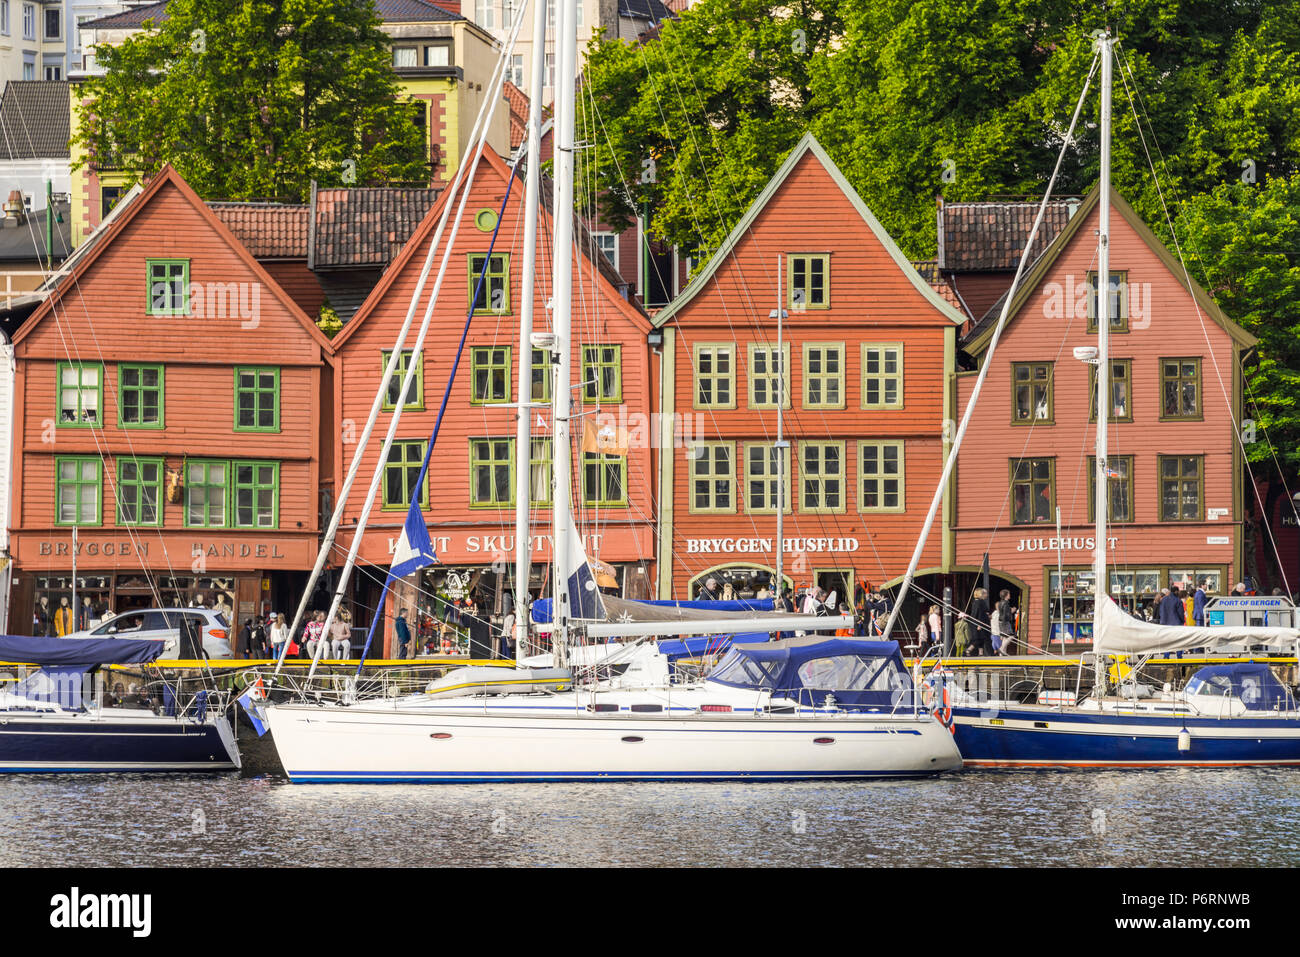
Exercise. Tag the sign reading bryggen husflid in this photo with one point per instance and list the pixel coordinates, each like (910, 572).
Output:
(168, 412)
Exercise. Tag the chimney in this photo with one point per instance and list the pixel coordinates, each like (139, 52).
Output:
(15, 209)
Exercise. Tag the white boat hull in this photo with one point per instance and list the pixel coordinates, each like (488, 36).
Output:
(376, 743)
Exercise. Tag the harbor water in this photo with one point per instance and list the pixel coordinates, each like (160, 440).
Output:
(1168, 818)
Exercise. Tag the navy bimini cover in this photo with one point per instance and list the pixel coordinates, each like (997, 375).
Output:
(856, 672)
(1252, 682)
(541, 609)
(78, 652)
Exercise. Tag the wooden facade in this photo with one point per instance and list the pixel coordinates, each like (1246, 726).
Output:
(869, 347)
(168, 407)
(470, 495)
(1176, 489)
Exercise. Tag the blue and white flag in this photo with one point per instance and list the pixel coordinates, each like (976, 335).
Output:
(414, 549)
(585, 603)
(252, 701)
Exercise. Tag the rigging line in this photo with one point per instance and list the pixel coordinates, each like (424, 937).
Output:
(1205, 332)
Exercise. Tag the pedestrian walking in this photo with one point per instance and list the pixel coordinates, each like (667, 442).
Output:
(1007, 612)
(403, 632)
(981, 638)
(279, 634)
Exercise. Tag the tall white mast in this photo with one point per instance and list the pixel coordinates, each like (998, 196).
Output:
(1101, 501)
(780, 435)
(523, 426)
(561, 315)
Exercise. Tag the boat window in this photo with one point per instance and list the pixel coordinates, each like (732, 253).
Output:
(846, 673)
(738, 669)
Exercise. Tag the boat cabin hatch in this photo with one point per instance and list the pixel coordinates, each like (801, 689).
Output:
(857, 674)
(1251, 682)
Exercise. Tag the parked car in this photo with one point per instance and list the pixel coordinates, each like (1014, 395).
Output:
(164, 624)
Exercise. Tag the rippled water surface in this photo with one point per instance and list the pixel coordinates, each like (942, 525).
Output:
(1186, 818)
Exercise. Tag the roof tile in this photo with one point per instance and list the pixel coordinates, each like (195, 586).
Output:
(977, 237)
(35, 120)
(268, 230)
(365, 227)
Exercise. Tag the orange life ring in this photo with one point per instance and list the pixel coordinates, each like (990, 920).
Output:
(944, 713)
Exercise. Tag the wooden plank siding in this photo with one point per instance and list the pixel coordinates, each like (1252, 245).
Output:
(872, 299)
(1163, 323)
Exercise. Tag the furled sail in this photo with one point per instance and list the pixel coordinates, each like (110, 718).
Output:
(1120, 634)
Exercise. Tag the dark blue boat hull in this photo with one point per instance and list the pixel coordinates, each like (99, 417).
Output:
(60, 745)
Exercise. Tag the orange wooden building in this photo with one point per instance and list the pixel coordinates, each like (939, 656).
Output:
(868, 348)
(470, 495)
(1175, 513)
(168, 409)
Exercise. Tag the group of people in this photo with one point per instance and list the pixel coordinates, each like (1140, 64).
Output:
(267, 637)
(983, 631)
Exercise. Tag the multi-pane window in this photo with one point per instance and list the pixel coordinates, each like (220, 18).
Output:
(29, 21)
(402, 471)
(607, 243)
(257, 494)
(539, 465)
(541, 377)
(809, 281)
(490, 374)
(604, 479)
(415, 398)
(1121, 391)
(169, 283)
(1116, 304)
(602, 374)
(822, 476)
(715, 376)
(206, 485)
(880, 476)
(769, 376)
(550, 70)
(81, 393)
(492, 295)
(257, 399)
(713, 477)
(53, 23)
(78, 483)
(1180, 388)
(4, 17)
(140, 396)
(882, 375)
(1033, 491)
(139, 491)
(1119, 475)
(823, 375)
(485, 14)
(491, 472)
(1182, 479)
(1031, 393)
(517, 70)
(767, 477)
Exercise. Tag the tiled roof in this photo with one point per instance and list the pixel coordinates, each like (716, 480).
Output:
(268, 230)
(651, 10)
(517, 100)
(35, 118)
(991, 236)
(135, 17)
(929, 270)
(364, 227)
(389, 11)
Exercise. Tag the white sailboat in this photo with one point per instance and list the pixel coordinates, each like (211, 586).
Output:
(808, 707)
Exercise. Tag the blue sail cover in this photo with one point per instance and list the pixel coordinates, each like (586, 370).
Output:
(1252, 682)
(854, 671)
(541, 611)
(78, 652)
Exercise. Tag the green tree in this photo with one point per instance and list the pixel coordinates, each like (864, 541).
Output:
(254, 100)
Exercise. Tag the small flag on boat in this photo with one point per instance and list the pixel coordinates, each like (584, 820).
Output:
(414, 549)
(252, 701)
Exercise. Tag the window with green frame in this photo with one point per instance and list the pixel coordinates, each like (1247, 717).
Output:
(769, 376)
(416, 399)
(139, 491)
(402, 471)
(765, 465)
(1182, 484)
(810, 281)
(1180, 388)
(1031, 393)
(168, 287)
(1121, 389)
(140, 396)
(494, 295)
(257, 399)
(206, 488)
(823, 375)
(1033, 491)
(715, 376)
(541, 376)
(1117, 302)
(540, 471)
(80, 394)
(822, 478)
(880, 476)
(489, 373)
(257, 494)
(1120, 481)
(78, 483)
(604, 479)
(882, 375)
(491, 473)
(602, 373)
(713, 477)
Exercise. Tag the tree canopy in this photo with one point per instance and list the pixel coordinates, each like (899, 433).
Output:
(254, 100)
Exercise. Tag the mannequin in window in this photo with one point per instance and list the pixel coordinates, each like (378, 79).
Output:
(197, 601)
(223, 606)
(41, 618)
(86, 614)
(63, 625)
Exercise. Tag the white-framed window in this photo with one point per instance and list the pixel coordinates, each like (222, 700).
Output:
(53, 72)
(29, 22)
(508, 13)
(607, 243)
(4, 17)
(580, 18)
(29, 71)
(517, 70)
(403, 57)
(550, 70)
(53, 23)
(485, 14)
(437, 54)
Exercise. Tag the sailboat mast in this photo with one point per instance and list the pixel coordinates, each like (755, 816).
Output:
(523, 425)
(1101, 501)
(561, 317)
(780, 436)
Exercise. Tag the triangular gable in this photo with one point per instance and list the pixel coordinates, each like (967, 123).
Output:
(979, 343)
(808, 144)
(110, 229)
(488, 162)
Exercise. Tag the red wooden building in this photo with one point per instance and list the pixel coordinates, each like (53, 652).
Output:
(1175, 513)
(868, 347)
(168, 409)
(470, 495)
